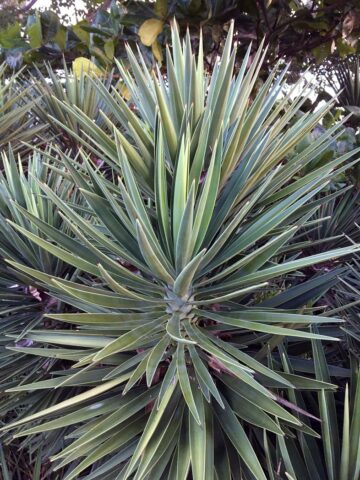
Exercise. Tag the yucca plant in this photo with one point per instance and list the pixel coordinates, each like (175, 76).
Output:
(16, 123)
(339, 226)
(344, 80)
(45, 91)
(345, 298)
(174, 297)
(335, 455)
(22, 304)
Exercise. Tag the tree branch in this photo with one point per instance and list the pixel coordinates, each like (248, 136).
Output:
(27, 7)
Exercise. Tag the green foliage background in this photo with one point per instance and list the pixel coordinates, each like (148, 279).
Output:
(303, 32)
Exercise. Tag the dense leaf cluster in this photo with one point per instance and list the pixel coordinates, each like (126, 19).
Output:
(301, 31)
(174, 275)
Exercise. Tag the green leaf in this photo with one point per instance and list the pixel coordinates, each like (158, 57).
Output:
(174, 328)
(82, 34)
(344, 462)
(82, 397)
(126, 411)
(150, 256)
(354, 444)
(162, 206)
(235, 432)
(251, 413)
(203, 373)
(161, 8)
(201, 441)
(168, 403)
(263, 402)
(109, 48)
(180, 187)
(327, 413)
(183, 244)
(155, 358)
(10, 36)
(184, 280)
(34, 30)
(260, 327)
(4, 468)
(185, 383)
(208, 197)
(181, 460)
(126, 341)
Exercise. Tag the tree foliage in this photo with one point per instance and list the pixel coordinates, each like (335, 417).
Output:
(301, 31)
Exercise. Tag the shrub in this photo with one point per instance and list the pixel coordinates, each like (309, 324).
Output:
(161, 321)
